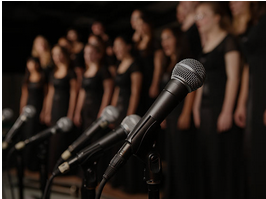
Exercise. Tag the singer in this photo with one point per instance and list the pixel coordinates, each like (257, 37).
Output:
(33, 92)
(60, 102)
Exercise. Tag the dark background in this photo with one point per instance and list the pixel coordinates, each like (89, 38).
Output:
(23, 21)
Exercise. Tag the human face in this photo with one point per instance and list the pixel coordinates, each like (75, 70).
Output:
(97, 28)
(135, 16)
(40, 44)
(183, 9)
(31, 66)
(121, 49)
(239, 7)
(90, 54)
(205, 18)
(72, 35)
(57, 55)
(168, 42)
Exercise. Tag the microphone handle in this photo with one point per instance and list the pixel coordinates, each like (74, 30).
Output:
(42, 135)
(14, 128)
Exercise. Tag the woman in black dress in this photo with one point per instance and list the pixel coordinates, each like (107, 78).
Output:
(252, 101)
(33, 91)
(126, 98)
(180, 130)
(219, 140)
(61, 100)
(96, 91)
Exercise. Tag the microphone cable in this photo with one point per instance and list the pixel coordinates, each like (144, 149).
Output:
(100, 188)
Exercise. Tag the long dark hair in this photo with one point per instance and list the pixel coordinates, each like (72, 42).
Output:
(38, 68)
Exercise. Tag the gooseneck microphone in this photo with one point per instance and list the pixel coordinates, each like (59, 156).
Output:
(27, 112)
(64, 124)
(7, 115)
(187, 76)
(97, 149)
(109, 115)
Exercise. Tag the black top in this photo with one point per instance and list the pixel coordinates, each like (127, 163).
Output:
(193, 37)
(78, 59)
(93, 87)
(215, 82)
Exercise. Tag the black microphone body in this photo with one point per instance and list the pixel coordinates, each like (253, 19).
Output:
(187, 76)
(97, 149)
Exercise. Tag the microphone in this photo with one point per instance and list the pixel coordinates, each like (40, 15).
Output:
(27, 112)
(109, 115)
(7, 114)
(64, 124)
(187, 76)
(103, 144)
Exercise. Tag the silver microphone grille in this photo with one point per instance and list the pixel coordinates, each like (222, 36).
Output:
(130, 122)
(110, 113)
(65, 124)
(29, 111)
(190, 72)
(7, 114)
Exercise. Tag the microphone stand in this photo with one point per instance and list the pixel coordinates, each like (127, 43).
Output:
(20, 174)
(89, 182)
(42, 156)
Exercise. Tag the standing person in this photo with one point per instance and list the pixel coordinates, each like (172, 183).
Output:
(96, 91)
(251, 107)
(76, 54)
(126, 98)
(33, 93)
(41, 49)
(150, 57)
(219, 140)
(61, 100)
(180, 130)
(185, 14)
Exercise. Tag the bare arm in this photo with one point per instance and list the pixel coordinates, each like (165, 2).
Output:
(24, 97)
(108, 85)
(42, 114)
(240, 113)
(154, 89)
(72, 99)
(185, 117)
(80, 101)
(136, 82)
(225, 119)
(49, 103)
(196, 107)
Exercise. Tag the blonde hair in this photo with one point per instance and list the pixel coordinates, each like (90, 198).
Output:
(45, 58)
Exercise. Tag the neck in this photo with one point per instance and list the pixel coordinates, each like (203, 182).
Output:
(92, 65)
(213, 33)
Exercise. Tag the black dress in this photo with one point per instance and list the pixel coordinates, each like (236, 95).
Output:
(59, 142)
(33, 125)
(193, 38)
(255, 48)
(219, 154)
(180, 148)
(93, 87)
(130, 176)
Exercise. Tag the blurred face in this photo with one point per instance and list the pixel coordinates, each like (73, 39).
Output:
(31, 66)
(72, 35)
(64, 43)
(135, 16)
(239, 7)
(121, 49)
(40, 44)
(90, 54)
(205, 18)
(97, 28)
(168, 42)
(183, 9)
(57, 55)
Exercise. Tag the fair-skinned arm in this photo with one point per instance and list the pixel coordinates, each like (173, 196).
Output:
(77, 117)
(225, 119)
(108, 85)
(136, 82)
(49, 103)
(154, 89)
(24, 97)
(196, 107)
(240, 113)
(72, 98)
(42, 114)
(184, 119)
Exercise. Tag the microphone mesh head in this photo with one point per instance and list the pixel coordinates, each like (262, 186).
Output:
(65, 124)
(130, 122)
(110, 113)
(190, 72)
(29, 111)
(7, 113)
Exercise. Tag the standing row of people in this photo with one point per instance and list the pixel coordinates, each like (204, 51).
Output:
(204, 134)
